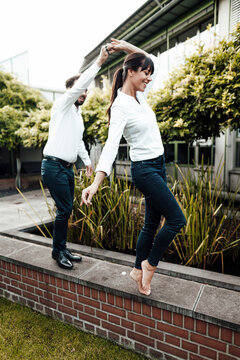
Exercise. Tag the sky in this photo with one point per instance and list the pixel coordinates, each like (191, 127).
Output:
(58, 33)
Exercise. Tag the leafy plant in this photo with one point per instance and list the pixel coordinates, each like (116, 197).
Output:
(113, 221)
(208, 234)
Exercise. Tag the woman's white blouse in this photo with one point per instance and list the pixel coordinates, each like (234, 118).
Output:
(136, 122)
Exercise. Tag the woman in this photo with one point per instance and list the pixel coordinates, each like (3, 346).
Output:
(131, 116)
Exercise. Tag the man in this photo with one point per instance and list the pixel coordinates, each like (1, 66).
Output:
(60, 153)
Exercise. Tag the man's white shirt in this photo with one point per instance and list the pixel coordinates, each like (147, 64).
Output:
(66, 125)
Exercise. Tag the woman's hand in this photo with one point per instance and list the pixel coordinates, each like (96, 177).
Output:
(118, 45)
(88, 193)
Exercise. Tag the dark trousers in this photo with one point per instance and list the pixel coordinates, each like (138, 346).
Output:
(60, 182)
(149, 176)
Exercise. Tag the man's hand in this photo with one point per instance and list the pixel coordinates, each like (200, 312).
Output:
(88, 193)
(89, 170)
(103, 55)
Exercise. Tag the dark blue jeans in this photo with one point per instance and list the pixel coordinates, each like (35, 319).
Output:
(149, 176)
(60, 182)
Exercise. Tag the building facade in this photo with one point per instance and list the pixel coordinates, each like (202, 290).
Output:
(163, 28)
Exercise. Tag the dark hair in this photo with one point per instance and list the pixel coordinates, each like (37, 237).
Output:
(70, 82)
(132, 61)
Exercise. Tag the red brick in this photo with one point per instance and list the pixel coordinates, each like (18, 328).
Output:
(177, 319)
(95, 294)
(89, 302)
(113, 336)
(13, 268)
(140, 347)
(114, 319)
(79, 289)
(57, 299)
(156, 334)
(67, 294)
(67, 318)
(72, 287)
(234, 350)
(113, 328)
(213, 331)
(141, 319)
(156, 313)
(141, 329)
(48, 303)
(226, 335)
(119, 301)
(89, 310)
(172, 330)
(101, 332)
(172, 340)
(237, 338)
(101, 315)
(67, 310)
(13, 276)
(195, 357)
(29, 273)
(137, 307)
(172, 350)
(59, 283)
(89, 327)
(46, 278)
(65, 284)
(225, 357)
(6, 280)
(16, 284)
(146, 310)
(40, 277)
(188, 323)
(14, 290)
(53, 280)
(78, 306)
(67, 302)
(113, 310)
(87, 291)
(167, 316)
(110, 299)
(189, 346)
(201, 327)
(32, 282)
(128, 304)
(208, 353)
(47, 295)
(127, 324)
(141, 338)
(102, 296)
(211, 343)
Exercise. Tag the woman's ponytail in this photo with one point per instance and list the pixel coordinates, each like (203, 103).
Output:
(117, 83)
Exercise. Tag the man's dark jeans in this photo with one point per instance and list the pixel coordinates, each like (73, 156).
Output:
(60, 182)
(149, 176)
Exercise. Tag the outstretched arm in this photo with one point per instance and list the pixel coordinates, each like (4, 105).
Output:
(122, 45)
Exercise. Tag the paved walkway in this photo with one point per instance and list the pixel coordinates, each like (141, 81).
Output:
(16, 212)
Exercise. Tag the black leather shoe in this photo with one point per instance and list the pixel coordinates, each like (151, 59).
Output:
(63, 261)
(72, 257)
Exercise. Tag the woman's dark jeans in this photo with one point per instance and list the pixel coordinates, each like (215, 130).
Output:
(60, 182)
(149, 176)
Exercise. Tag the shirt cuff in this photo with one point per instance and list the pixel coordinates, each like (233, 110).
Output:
(104, 168)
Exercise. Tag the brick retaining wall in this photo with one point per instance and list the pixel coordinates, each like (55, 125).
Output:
(145, 328)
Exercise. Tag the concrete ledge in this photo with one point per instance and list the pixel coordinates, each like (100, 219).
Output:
(174, 270)
(216, 305)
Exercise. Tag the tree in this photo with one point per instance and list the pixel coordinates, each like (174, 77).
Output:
(202, 97)
(18, 104)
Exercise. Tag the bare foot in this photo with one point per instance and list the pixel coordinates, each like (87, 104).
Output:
(147, 275)
(136, 275)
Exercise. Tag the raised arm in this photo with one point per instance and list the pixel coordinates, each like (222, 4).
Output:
(122, 45)
(72, 94)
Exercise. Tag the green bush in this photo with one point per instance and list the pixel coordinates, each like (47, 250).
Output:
(112, 222)
(212, 229)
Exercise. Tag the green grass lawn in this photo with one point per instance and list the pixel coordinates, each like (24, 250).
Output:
(26, 334)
